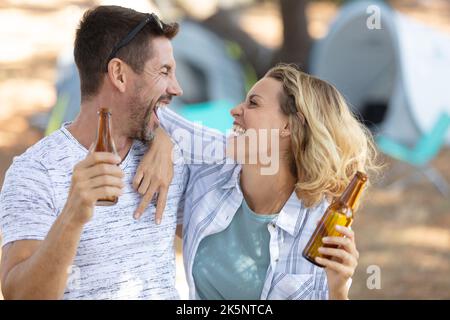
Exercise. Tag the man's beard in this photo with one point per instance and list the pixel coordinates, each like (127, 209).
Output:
(140, 116)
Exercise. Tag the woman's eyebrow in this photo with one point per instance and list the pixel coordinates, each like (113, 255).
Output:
(254, 95)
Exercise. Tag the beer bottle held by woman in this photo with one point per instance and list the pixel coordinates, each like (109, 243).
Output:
(340, 212)
(105, 143)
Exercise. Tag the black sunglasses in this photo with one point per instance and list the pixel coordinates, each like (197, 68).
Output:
(130, 36)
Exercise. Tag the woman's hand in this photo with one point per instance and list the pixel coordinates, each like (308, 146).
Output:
(154, 174)
(342, 262)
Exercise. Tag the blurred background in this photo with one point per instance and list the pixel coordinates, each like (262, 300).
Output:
(391, 59)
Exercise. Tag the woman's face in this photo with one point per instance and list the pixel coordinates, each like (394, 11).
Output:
(259, 127)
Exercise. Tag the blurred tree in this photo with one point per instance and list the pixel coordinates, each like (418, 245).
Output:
(296, 39)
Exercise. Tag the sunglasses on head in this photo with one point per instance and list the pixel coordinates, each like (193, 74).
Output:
(130, 36)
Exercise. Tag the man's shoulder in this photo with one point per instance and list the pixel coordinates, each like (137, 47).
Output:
(43, 152)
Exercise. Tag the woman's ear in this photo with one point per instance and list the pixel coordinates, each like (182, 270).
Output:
(285, 132)
(117, 74)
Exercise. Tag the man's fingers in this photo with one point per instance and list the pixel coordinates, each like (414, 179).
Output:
(106, 192)
(162, 198)
(103, 169)
(106, 181)
(100, 157)
(146, 199)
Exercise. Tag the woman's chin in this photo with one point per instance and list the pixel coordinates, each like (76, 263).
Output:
(237, 149)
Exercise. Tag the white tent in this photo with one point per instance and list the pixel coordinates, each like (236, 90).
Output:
(403, 66)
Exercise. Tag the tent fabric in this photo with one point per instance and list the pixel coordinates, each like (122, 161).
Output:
(404, 65)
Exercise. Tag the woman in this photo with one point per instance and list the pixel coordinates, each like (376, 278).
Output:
(245, 225)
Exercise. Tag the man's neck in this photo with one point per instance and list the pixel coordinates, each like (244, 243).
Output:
(266, 194)
(84, 128)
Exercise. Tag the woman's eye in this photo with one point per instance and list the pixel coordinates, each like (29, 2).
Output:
(252, 103)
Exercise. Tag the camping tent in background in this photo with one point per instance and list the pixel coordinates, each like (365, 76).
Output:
(212, 81)
(210, 78)
(397, 77)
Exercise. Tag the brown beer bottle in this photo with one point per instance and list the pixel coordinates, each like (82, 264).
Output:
(340, 212)
(104, 143)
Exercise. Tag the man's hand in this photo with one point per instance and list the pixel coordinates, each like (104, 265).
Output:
(154, 174)
(96, 177)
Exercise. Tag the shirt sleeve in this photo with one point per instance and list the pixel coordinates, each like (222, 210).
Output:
(199, 144)
(26, 203)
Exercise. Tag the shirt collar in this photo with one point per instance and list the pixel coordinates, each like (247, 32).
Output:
(292, 215)
(234, 170)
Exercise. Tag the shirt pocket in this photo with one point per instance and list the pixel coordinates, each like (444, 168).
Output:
(292, 286)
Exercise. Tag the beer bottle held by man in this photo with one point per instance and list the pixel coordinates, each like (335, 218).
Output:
(105, 143)
(340, 212)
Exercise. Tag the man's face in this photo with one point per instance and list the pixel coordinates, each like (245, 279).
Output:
(152, 89)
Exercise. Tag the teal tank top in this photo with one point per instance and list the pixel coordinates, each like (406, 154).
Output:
(233, 263)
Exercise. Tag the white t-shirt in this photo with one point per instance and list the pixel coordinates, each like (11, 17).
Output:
(118, 257)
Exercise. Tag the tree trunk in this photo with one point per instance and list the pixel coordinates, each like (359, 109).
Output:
(296, 39)
(224, 24)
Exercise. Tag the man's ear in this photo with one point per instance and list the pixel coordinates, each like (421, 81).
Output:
(285, 132)
(117, 74)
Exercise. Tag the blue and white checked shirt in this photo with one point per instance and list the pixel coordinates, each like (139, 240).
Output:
(213, 196)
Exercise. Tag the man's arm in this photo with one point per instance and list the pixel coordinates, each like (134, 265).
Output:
(33, 269)
(38, 269)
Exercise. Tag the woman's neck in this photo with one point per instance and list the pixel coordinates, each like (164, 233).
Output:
(266, 194)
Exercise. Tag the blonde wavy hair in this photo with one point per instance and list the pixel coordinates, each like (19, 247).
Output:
(329, 145)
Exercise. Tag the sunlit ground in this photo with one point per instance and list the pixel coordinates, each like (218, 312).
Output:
(404, 232)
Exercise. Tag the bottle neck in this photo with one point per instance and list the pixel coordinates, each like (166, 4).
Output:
(104, 140)
(104, 124)
(353, 192)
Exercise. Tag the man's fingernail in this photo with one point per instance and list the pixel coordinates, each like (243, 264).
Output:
(325, 239)
(338, 227)
(158, 220)
(136, 215)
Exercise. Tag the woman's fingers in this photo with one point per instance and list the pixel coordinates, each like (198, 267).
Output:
(145, 184)
(344, 270)
(161, 204)
(137, 178)
(346, 258)
(349, 233)
(146, 199)
(348, 244)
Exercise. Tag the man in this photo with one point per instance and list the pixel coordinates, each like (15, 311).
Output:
(57, 243)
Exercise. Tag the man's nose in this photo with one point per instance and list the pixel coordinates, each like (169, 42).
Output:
(174, 88)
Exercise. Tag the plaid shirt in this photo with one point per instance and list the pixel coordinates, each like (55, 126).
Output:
(212, 197)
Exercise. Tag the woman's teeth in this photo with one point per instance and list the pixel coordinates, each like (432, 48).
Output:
(238, 130)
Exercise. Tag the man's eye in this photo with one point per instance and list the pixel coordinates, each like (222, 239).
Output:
(252, 103)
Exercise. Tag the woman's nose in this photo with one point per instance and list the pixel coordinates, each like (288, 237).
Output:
(236, 111)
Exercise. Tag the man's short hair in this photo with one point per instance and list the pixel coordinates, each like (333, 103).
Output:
(102, 28)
